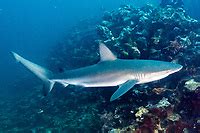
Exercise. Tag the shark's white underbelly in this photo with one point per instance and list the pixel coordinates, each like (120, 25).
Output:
(103, 84)
(96, 81)
(112, 79)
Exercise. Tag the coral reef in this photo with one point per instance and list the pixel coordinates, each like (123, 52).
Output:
(160, 33)
(170, 105)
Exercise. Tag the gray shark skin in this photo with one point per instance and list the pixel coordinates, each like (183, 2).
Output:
(110, 71)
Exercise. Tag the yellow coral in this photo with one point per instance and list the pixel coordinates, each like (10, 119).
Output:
(141, 111)
(192, 85)
(129, 129)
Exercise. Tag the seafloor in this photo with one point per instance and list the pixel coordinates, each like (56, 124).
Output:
(169, 105)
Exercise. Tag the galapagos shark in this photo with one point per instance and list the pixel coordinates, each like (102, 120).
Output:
(109, 71)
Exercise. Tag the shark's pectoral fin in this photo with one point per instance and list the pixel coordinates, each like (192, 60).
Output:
(123, 89)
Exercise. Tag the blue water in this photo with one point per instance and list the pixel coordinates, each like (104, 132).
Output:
(33, 27)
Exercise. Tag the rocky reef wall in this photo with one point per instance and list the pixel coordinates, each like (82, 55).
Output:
(159, 33)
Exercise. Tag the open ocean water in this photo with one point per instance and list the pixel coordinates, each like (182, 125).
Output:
(62, 35)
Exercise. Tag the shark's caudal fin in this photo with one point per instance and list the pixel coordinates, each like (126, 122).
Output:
(39, 71)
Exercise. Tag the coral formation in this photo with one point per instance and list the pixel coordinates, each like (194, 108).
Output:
(192, 85)
(160, 33)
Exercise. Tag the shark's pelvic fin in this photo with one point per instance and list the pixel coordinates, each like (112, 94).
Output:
(105, 53)
(39, 71)
(123, 89)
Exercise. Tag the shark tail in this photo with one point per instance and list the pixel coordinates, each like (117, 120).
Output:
(39, 71)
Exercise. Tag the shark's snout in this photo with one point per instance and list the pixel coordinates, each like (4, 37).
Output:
(177, 67)
(173, 67)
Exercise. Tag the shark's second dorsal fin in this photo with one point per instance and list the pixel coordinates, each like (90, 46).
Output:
(105, 53)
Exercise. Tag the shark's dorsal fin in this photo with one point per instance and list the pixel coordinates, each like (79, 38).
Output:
(105, 53)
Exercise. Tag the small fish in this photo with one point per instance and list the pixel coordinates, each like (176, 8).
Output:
(110, 71)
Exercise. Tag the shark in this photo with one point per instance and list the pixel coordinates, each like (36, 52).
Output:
(109, 71)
